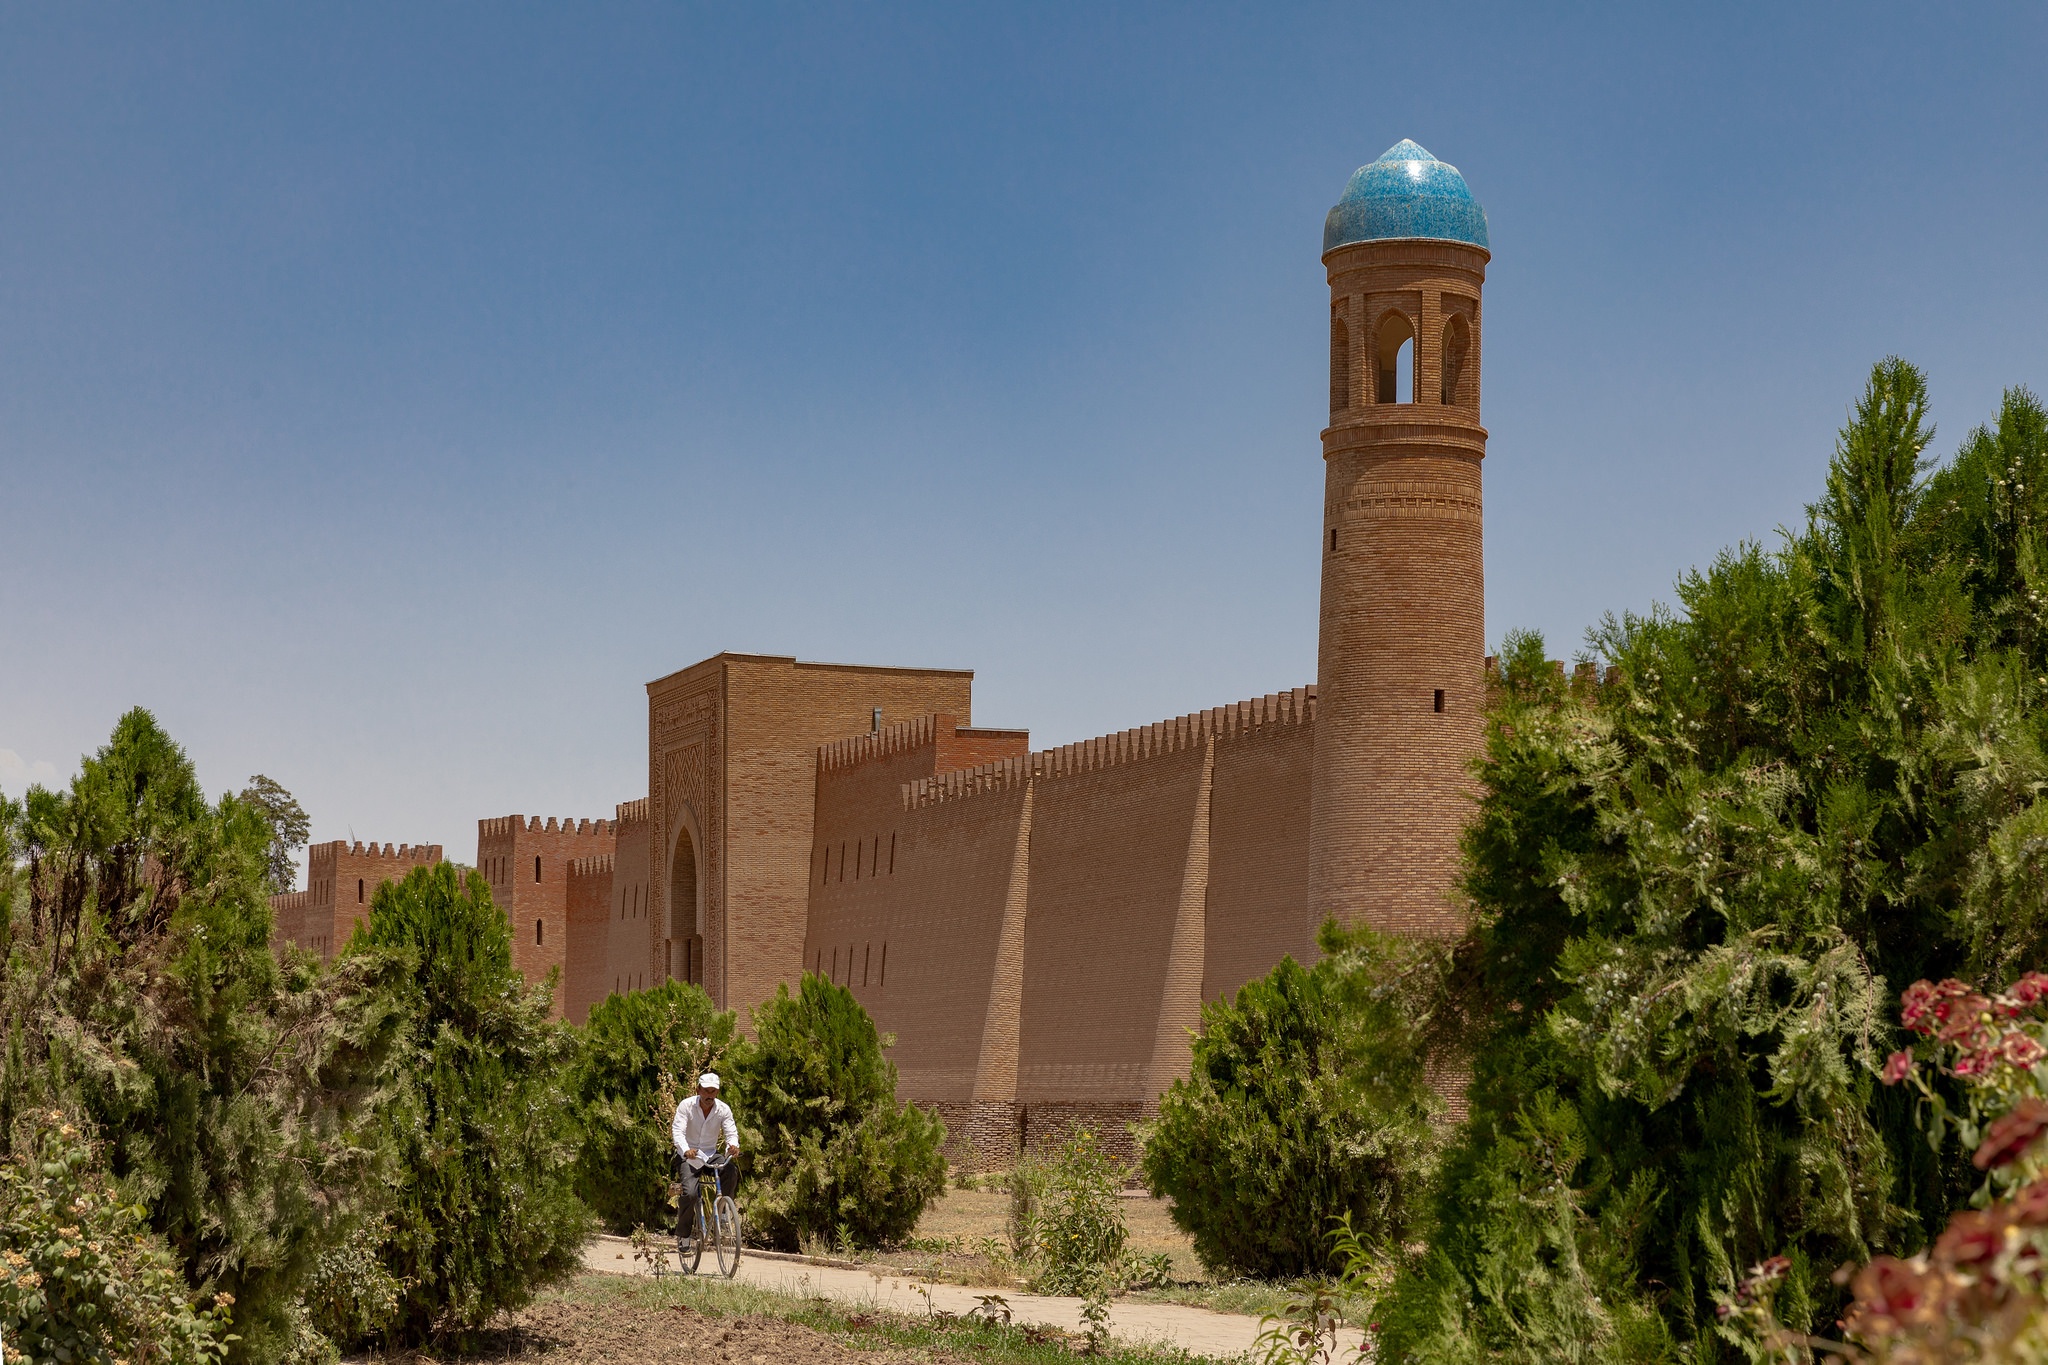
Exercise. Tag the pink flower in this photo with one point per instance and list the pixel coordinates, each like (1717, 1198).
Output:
(2030, 1205)
(2030, 988)
(1972, 1238)
(2020, 1050)
(1960, 1015)
(2011, 1134)
(1897, 1067)
(1914, 1004)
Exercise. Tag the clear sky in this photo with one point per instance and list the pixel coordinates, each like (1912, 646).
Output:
(388, 392)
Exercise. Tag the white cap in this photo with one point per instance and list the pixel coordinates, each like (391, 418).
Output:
(708, 1081)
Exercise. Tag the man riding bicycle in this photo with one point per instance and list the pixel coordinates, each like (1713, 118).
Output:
(702, 1125)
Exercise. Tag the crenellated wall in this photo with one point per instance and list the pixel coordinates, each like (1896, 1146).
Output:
(636, 954)
(1039, 929)
(526, 861)
(341, 878)
(732, 782)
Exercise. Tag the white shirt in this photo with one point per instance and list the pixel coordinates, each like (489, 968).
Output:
(697, 1131)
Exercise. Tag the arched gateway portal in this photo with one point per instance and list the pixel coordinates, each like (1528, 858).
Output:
(685, 923)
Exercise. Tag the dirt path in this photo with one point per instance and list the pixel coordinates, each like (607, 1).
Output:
(1194, 1329)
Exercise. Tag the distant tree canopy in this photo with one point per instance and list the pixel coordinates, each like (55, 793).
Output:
(1697, 891)
(289, 829)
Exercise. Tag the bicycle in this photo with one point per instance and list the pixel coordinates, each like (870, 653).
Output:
(716, 1219)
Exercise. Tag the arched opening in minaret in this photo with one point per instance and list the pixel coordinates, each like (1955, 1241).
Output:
(1340, 366)
(686, 932)
(1457, 345)
(1396, 359)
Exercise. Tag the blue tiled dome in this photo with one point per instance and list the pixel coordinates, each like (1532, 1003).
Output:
(1406, 193)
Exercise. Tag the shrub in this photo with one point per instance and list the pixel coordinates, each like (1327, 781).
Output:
(1079, 1228)
(833, 1155)
(631, 1045)
(1025, 1184)
(1306, 1102)
(138, 989)
(351, 1298)
(82, 1277)
(479, 1132)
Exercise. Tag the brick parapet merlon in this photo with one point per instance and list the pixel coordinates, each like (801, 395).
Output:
(288, 902)
(631, 812)
(502, 825)
(1240, 720)
(890, 739)
(404, 853)
(596, 865)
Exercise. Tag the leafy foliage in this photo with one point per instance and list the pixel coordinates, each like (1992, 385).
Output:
(833, 1155)
(1692, 887)
(1079, 1229)
(479, 1130)
(1307, 1103)
(289, 828)
(137, 988)
(82, 1276)
(630, 1044)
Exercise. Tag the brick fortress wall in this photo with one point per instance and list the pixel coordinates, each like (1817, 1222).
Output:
(526, 861)
(610, 945)
(1039, 930)
(732, 762)
(341, 878)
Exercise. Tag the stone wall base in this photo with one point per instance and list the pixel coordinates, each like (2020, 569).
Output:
(988, 1135)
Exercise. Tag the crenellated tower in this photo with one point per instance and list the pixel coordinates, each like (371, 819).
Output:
(1399, 688)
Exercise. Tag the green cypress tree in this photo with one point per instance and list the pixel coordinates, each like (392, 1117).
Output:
(831, 1153)
(628, 1045)
(478, 1130)
(1696, 891)
(139, 991)
(1306, 1102)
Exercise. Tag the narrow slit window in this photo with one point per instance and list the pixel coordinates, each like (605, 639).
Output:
(1333, 540)
(858, 850)
(1439, 701)
(539, 933)
(359, 891)
(536, 867)
(1340, 366)
(892, 858)
(885, 964)
(835, 962)
(865, 956)
(842, 863)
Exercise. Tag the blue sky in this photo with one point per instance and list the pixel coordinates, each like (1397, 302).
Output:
(388, 392)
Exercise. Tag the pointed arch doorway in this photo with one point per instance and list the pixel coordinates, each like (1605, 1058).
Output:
(685, 909)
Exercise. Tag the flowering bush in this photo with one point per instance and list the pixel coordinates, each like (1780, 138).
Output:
(82, 1278)
(1980, 1292)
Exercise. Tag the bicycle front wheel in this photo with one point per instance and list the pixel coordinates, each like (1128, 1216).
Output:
(727, 1242)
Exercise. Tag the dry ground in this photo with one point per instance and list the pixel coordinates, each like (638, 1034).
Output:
(620, 1320)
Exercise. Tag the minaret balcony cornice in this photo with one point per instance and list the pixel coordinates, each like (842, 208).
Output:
(1394, 428)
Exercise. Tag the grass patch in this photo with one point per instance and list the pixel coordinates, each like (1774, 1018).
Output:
(866, 1328)
(1253, 1298)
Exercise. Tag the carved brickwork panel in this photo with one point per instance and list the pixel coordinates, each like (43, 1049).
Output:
(682, 744)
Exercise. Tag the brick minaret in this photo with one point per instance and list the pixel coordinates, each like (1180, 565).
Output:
(1403, 630)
